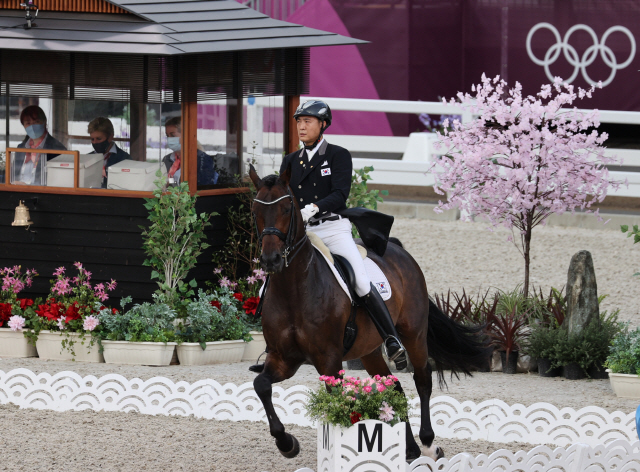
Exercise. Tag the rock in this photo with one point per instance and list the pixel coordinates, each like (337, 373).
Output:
(526, 364)
(496, 362)
(582, 293)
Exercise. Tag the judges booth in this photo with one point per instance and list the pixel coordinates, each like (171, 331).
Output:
(142, 65)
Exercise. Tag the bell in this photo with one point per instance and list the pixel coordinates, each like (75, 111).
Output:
(22, 217)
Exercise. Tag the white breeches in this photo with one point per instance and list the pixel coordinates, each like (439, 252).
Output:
(337, 236)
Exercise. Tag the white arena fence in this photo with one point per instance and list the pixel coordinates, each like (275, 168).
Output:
(418, 150)
(491, 420)
(590, 439)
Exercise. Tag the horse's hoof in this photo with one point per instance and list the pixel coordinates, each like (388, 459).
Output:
(295, 449)
(412, 454)
(434, 452)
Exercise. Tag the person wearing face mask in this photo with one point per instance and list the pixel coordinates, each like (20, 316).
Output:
(207, 174)
(101, 133)
(28, 167)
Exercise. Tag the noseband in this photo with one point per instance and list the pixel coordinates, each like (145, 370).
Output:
(290, 248)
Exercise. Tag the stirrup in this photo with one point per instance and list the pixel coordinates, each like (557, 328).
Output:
(401, 350)
(257, 367)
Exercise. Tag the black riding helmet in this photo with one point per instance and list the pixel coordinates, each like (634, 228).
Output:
(316, 108)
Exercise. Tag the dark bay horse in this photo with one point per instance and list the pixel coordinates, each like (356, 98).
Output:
(305, 312)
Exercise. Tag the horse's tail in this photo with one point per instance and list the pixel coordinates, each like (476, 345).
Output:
(453, 346)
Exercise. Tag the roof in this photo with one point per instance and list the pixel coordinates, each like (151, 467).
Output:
(161, 27)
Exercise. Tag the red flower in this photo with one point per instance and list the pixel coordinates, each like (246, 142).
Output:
(114, 311)
(238, 296)
(52, 311)
(25, 302)
(355, 417)
(216, 304)
(5, 312)
(72, 313)
(250, 305)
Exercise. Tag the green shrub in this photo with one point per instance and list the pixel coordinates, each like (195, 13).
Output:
(541, 341)
(624, 354)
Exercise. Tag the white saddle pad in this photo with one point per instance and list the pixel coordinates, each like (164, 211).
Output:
(376, 275)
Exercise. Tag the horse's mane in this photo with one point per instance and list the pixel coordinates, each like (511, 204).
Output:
(269, 181)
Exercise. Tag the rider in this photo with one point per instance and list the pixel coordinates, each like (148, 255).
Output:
(321, 181)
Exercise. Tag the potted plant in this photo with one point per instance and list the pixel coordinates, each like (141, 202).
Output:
(68, 315)
(143, 335)
(540, 345)
(212, 332)
(13, 319)
(623, 364)
(507, 331)
(359, 421)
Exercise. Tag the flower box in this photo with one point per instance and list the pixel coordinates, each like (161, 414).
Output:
(14, 344)
(125, 352)
(219, 352)
(625, 385)
(253, 349)
(49, 346)
(367, 445)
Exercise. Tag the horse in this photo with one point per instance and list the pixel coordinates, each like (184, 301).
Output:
(305, 313)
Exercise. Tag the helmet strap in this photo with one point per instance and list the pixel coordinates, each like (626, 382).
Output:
(315, 143)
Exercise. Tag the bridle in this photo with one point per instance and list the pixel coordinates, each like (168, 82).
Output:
(290, 248)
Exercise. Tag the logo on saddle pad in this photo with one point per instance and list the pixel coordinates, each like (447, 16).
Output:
(382, 287)
(326, 171)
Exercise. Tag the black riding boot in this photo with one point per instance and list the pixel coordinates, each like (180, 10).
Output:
(257, 367)
(384, 324)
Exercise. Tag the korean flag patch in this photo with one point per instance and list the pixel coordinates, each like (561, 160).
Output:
(326, 172)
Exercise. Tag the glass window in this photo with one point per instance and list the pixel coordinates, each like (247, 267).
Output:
(264, 133)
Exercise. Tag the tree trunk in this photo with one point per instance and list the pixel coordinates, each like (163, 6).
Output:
(527, 247)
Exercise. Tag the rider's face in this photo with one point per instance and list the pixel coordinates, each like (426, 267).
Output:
(309, 128)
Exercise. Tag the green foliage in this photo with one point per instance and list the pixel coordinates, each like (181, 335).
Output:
(207, 323)
(635, 232)
(542, 341)
(174, 240)
(149, 322)
(360, 195)
(346, 403)
(624, 355)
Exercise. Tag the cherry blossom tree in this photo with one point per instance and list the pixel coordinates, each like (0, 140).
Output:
(523, 159)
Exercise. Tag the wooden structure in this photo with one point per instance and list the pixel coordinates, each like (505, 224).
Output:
(139, 52)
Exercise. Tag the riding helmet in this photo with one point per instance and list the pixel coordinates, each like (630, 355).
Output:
(316, 108)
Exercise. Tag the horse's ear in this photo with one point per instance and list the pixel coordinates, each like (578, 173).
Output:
(254, 177)
(286, 175)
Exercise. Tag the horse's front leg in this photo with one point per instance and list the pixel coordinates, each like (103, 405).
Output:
(276, 370)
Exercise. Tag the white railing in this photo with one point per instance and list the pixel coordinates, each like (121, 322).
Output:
(418, 150)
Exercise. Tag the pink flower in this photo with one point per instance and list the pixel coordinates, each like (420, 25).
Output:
(366, 389)
(251, 279)
(16, 323)
(111, 285)
(217, 270)
(91, 322)
(224, 282)
(381, 388)
(386, 412)
(78, 265)
(59, 271)
(341, 372)
(62, 287)
(388, 382)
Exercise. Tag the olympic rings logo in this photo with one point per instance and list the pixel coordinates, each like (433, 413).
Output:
(580, 64)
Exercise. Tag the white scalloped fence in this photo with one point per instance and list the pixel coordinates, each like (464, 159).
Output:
(491, 420)
(618, 456)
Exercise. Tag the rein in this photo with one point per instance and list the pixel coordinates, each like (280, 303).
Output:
(290, 249)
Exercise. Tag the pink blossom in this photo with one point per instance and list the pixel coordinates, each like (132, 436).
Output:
(380, 387)
(78, 265)
(61, 324)
(251, 280)
(59, 271)
(217, 270)
(367, 389)
(62, 287)
(386, 412)
(341, 372)
(111, 285)
(16, 322)
(90, 323)
(224, 282)
(388, 382)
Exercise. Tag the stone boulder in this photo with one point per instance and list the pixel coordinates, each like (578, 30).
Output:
(582, 293)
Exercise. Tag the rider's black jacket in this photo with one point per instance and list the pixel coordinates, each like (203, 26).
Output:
(325, 181)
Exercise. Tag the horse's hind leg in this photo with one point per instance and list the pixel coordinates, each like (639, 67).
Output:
(276, 370)
(375, 364)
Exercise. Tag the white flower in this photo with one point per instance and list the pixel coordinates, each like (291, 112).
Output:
(16, 323)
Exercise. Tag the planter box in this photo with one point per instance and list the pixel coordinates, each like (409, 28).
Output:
(14, 344)
(49, 346)
(369, 445)
(253, 349)
(125, 352)
(625, 385)
(219, 352)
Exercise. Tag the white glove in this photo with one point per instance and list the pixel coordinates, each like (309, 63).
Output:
(308, 212)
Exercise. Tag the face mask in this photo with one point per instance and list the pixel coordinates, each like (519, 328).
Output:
(35, 131)
(173, 144)
(102, 147)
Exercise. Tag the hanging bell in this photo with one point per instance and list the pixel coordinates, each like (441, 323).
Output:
(22, 217)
